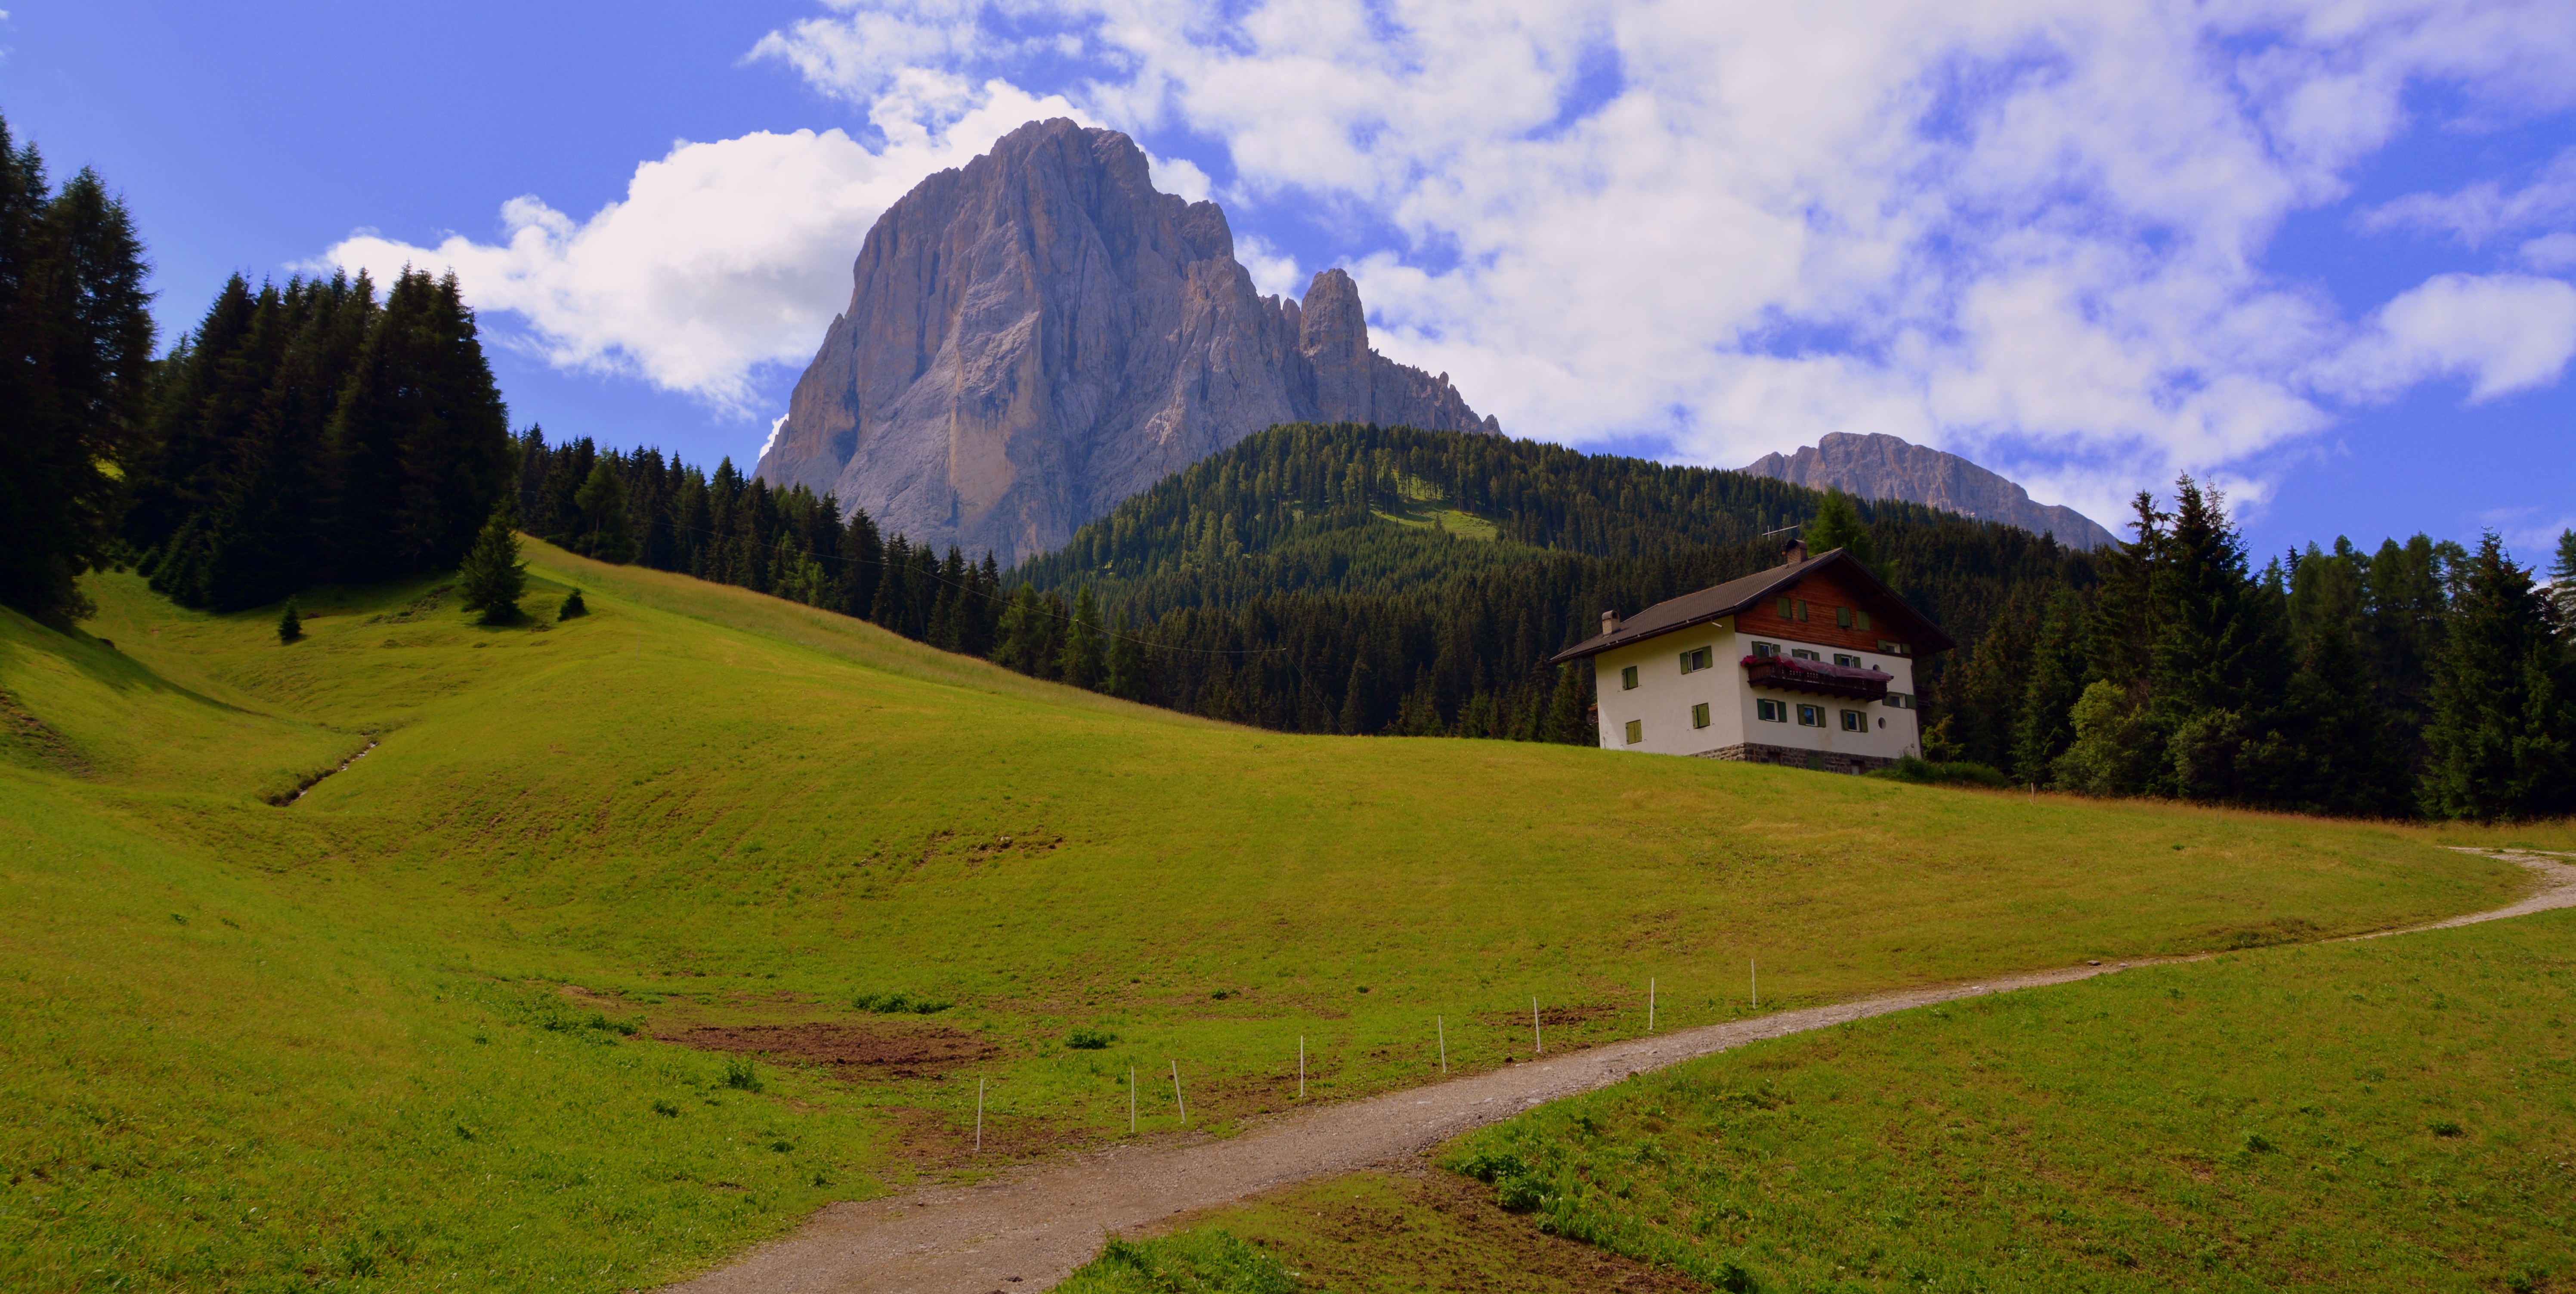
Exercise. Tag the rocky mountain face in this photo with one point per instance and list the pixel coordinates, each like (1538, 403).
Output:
(1886, 467)
(1040, 334)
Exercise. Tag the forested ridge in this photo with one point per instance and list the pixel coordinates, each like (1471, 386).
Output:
(1329, 579)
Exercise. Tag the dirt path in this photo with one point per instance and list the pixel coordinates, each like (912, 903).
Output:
(1029, 1231)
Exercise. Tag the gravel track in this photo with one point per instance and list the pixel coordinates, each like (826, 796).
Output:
(1027, 1231)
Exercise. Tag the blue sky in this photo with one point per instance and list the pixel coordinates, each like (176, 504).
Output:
(2318, 255)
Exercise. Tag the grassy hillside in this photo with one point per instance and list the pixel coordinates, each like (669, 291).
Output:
(555, 985)
(2382, 1115)
(2394, 1114)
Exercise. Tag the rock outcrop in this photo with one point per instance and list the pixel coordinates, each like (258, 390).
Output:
(1887, 467)
(1039, 334)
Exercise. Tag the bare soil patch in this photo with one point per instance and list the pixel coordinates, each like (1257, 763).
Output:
(853, 1050)
(1551, 1017)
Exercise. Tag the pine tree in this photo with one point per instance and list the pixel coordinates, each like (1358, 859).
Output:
(2221, 655)
(2500, 737)
(75, 356)
(290, 626)
(1126, 666)
(606, 533)
(2562, 577)
(419, 445)
(573, 608)
(492, 578)
(1565, 713)
(1080, 662)
(1838, 525)
(2042, 728)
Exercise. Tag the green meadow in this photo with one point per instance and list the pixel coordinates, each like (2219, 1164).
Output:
(557, 985)
(2389, 1114)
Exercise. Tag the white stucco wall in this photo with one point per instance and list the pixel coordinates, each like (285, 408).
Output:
(1662, 700)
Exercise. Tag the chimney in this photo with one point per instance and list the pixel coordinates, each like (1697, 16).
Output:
(1609, 623)
(1795, 553)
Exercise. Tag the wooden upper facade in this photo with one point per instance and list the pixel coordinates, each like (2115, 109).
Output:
(1829, 599)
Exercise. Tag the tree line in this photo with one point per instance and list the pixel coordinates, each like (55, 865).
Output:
(2422, 678)
(725, 527)
(298, 434)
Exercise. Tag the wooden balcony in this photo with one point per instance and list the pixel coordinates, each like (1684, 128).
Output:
(1789, 674)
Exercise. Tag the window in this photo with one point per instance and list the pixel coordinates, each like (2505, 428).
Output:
(1842, 617)
(1855, 721)
(1863, 618)
(1894, 648)
(1766, 650)
(1628, 679)
(1787, 609)
(1802, 609)
(1699, 715)
(1811, 716)
(1636, 731)
(1899, 701)
(1804, 654)
(1851, 661)
(1771, 711)
(1697, 658)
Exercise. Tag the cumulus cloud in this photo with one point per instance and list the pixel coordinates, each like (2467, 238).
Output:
(2485, 211)
(2503, 332)
(722, 257)
(2033, 230)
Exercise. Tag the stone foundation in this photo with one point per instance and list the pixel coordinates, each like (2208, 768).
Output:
(1822, 761)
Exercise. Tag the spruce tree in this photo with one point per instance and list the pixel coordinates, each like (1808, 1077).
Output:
(606, 533)
(493, 578)
(1126, 666)
(75, 357)
(1566, 722)
(1838, 525)
(1080, 662)
(2042, 728)
(2562, 578)
(1013, 642)
(573, 608)
(2499, 744)
(290, 626)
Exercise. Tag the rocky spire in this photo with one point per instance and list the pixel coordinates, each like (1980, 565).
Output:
(1040, 334)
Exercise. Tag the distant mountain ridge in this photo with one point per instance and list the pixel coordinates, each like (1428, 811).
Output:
(1888, 467)
(1040, 334)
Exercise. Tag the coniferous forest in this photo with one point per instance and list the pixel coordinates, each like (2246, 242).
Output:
(1322, 579)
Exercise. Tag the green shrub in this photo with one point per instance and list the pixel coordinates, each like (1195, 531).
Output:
(741, 1074)
(573, 607)
(1938, 773)
(900, 1004)
(1203, 1261)
(1089, 1040)
(1519, 1194)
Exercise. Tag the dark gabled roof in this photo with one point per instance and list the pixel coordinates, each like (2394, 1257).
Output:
(1723, 600)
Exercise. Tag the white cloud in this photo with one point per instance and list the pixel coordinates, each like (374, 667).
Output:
(723, 256)
(2485, 211)
(2550, 252)
(2031, 226)
(2504, 332)
(1180, 176)
(2031, 229)
(1273, 271)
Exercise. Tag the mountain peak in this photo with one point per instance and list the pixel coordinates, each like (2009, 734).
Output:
(1038, 334)
(1878, 466)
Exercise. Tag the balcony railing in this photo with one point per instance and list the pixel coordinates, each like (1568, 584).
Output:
(1789, 674)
